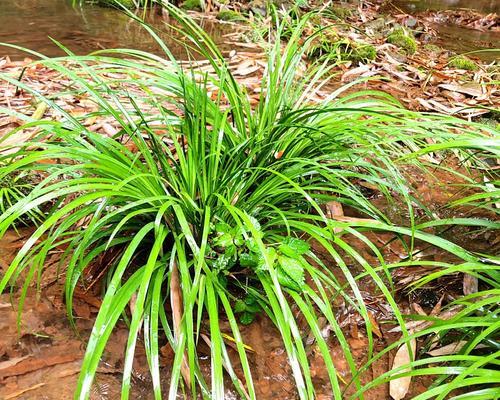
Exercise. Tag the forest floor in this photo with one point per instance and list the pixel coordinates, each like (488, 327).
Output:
(40, 358)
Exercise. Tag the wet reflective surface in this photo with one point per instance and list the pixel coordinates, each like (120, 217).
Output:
(82, 29)
(483, 6)
(455, 37)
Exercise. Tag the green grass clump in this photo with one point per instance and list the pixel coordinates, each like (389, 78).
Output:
(230, 16)
(14, 187)
(402, 39)
(215, 213)
(463, 62)
(194, 5)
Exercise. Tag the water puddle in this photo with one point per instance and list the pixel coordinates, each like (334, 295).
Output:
(32, 24)
(482, 6)
(456, 37)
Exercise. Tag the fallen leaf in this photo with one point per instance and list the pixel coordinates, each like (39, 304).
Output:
(451, 348)
(18, 393)
(470, 284)
(374, 324)
(109, 129)
(437, 308)
(352, 73)
(418, 309)
(176, 304)
(474, 90)
(32, 364)
(10, 363)
(398, 388)
(417, 326)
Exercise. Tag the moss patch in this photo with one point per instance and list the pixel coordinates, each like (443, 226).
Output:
(462, 62)
(402, 39)
(363, 53)
(229, 15)
(193, 5)
(328, 45)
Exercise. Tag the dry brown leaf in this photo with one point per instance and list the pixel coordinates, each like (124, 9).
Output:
(109, 129)
(355, 72)
(437, 308)
(61, 356)
(398, 388)
(471, 89)
(451, 348)
(247, 67)
(334, 210)
(10, 363)
(470, 284)
(176, 304)
(18, 393)
(375, 327)
(418, 309)
(417, 326)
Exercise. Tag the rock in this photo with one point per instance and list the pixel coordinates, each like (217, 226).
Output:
(411, 22)
(341, 12)
(376, 25)
(258, 7)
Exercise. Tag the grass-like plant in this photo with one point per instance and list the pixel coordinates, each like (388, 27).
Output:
(214, 210)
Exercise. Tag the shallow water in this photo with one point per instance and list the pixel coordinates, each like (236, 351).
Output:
(454, 37)
(31, 24)
(482, 6)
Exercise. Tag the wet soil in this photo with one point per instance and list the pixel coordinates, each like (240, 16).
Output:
(41, 358)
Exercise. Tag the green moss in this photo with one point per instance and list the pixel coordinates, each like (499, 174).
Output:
(193, 5)
(462, 62)
(229, 15)
(363, 53)
(328, 45)
(402, 39)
